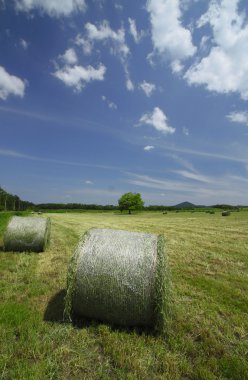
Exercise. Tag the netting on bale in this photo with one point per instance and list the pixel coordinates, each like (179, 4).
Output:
(120, 277)
(27, 234)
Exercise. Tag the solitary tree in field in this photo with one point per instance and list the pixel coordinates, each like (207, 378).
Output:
(130, 202)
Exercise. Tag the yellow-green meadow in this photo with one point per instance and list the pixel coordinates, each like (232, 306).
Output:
(208, 333)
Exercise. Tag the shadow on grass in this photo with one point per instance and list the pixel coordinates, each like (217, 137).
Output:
(80, 322)
(55, 309)
(55, 313)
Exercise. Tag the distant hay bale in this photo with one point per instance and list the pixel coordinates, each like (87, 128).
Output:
(27, 234)
(120, 277)
(226, 213)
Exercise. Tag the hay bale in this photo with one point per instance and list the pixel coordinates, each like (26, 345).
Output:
(226, 213)
(27, 234)
(120, 277)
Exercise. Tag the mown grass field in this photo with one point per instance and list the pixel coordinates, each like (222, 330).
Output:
(208, 335)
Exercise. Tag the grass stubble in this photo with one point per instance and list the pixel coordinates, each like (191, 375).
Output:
(207, 337)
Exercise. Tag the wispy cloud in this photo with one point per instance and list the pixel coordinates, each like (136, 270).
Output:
(57, 121)
(137, 36)
(211, 155)
(221, 189)
(185, 131)
(33, 115)
(14, 154)
(97, 195)
(160, 184)
(110, 104)
(240, 117)
(24, 44)
(194, 176)
(147, 87)
(52, 8)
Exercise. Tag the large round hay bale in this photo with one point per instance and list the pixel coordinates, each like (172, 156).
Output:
(27, 234)
(226, 213)
(120, 277)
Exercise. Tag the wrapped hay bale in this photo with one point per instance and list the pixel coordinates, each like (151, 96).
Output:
(27, 234)
(226, 213)
(120, 277)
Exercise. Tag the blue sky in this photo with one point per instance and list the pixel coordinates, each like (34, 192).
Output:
(102, 97)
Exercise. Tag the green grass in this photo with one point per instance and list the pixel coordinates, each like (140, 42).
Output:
(208, 333)
(4, 218)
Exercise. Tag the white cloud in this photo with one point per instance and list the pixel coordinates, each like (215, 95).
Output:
(129, 84)
(70, 57)
(150, 58)
(158, 120)
(225, 69)
(110, 104)
(186, 4)
(239, 117)
(104, 32)
(119, 7)
(10, 85)
(204, 42)
(53, 8)
(176, 67)
(137, 36)
(116, 39)
(86, 44)
(148, 148)
(77, 76)
(24, 44)
(88, 182)
(170, 38)
(147, 87)
(185, 131)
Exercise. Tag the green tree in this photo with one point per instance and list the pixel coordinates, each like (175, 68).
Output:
(130, 202)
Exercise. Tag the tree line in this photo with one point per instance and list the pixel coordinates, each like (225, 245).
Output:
(128, 201)
(10, 202)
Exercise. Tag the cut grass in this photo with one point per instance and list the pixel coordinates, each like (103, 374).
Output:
(208, 335)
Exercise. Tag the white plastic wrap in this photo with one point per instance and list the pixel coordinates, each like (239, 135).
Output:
(27, 234)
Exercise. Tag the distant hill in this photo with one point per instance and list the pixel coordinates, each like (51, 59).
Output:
(186, 205)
